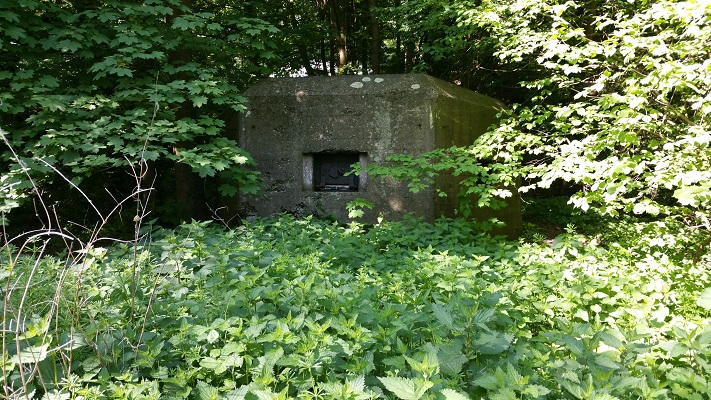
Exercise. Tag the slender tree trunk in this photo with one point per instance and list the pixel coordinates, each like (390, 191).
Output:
(374, 37)
(399, 55)
(338, 22)
(410, 54)
(364, 56)
(342, 54)
(332, 58)
(189, 194)
(324, 57)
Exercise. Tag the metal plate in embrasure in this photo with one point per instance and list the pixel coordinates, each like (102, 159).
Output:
(330, 171)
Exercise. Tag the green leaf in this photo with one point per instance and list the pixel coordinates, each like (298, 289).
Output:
(611, 339)
(492, 343)
(184, 24)
(69, 45)
(207, 392)
(150, 155)
(30, 355)
(240, 159)
(121, 71)
(606, 360)
(450, 394)
(199, 101)
(488, 381)
(228, 190)
(443, 315)
(406, 388)
(504, 394)
(575, 345)
(573, 388)
(221, 365)
(56, 395)
(536, 391)
(213, 336)
(452, 359)
(10, 16)
(210, 363)
(514, 377)
(14, 32)
(204, 170)
(704, 301)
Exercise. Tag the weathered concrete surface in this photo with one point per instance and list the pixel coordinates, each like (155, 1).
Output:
(289, 120)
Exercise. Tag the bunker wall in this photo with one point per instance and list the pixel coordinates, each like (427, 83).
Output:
(294, 126)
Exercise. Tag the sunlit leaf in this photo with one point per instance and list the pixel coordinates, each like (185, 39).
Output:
(704, 301)
(450, 394)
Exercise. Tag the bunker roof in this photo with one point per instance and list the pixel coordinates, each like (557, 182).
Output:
(401, 85)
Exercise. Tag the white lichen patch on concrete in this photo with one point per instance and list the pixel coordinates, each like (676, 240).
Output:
(366, 79)
(378, 80)
(357, 85)
(415, 86)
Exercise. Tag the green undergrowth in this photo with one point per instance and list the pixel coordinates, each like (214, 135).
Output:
(307, 309)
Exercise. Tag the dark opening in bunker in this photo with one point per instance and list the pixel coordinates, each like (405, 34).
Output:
(330, 171)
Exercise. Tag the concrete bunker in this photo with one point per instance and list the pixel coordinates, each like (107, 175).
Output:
(304, 133)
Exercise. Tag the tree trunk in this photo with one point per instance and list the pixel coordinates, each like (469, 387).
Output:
(399, 54)
(332, 58)
(374, 37)
(324, 57)
(189, 194)
(410, 55)
(338, 22)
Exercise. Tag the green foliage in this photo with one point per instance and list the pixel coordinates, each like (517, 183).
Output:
(355, 207)
(614, 101)
(106, 85)
(285, 308)
(485, 178)
(618, 109)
